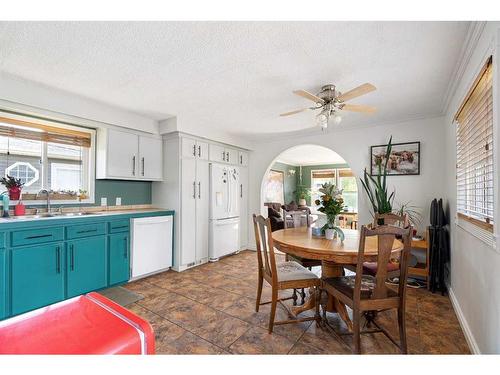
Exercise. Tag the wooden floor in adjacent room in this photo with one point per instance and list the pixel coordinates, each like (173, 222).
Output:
(210, 309)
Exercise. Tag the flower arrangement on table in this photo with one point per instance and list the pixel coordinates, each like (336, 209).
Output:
(331, 204)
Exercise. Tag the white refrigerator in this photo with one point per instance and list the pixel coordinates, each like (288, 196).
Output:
(224, 211)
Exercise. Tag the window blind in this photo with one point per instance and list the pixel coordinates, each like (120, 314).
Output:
(15, 128)
(330, 173)
(474, 173)
(345, 173)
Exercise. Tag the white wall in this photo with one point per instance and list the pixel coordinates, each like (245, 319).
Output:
(354, 147)
(15, 90)
(475, 266)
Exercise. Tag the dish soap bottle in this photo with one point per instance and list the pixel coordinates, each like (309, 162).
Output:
(19, 209)
(5, 203)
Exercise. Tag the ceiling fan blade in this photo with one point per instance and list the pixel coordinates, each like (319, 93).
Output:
(359, 108)
(365, 88)
(308, 95)
(294, 112)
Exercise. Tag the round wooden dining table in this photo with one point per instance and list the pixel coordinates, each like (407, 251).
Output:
(333, 254)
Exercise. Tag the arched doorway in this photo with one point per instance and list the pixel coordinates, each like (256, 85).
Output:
(295, 175)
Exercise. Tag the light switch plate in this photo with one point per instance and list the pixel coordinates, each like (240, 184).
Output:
(104, 201)
(118, 201)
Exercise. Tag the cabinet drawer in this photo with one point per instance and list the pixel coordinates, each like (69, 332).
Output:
(36, 236)
(2, 240)
(119, 226)
(85, 230)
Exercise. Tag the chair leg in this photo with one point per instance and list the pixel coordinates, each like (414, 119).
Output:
(302, 296)
(402, 330)
(272, 314)
(259, 293)
(294, 297)
(356, 329)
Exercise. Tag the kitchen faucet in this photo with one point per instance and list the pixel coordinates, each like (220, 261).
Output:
(44, 191)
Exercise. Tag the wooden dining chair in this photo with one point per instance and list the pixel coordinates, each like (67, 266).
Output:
(280, 275)
(296, 217)
(370, 293)
(402, 221)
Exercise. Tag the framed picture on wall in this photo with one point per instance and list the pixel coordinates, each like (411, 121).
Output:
(403, 160)
(274, 187)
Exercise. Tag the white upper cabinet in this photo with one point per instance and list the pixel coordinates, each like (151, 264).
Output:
(231, 156)
(223, 154)
(192, 148)
(128, 156)
(150, 158)
(202, 150)
(243, 158)
(217, 153)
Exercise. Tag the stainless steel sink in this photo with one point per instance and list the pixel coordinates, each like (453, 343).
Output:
(47, 215)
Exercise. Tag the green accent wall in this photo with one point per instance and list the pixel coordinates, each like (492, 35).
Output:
(131, 192)
(290, 182)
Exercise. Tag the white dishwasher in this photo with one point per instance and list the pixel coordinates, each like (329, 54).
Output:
(151, 245)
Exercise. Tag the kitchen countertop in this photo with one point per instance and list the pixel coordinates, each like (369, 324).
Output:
(7, 223)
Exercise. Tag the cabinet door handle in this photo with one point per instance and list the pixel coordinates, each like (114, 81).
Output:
(39, 236)
(241, 190)
(58, 259)
(133, 165)
(194, 150)
(223, 156)
(227, 153)
(125, 252)
(199, 151)
(199, 190)
(71, 257)
(241, 159)
(194, 189)
(142, 166)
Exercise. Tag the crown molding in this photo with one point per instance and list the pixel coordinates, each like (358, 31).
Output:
(474, 33)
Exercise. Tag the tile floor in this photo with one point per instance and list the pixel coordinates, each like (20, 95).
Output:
(210, 309)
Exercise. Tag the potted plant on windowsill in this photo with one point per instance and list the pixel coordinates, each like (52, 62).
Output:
(332, 204)
(14, 187)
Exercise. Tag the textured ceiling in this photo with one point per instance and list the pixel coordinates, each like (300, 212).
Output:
(310, 155)
(237, 77)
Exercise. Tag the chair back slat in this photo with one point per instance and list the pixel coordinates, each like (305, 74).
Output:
(386, 234)
(265, 246)
(296, 217)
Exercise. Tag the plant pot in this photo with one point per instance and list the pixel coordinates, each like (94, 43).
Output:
(302, 202)
(329, 234)
(14, 193)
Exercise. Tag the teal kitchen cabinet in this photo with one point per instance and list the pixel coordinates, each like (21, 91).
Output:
(3, 284)
(86, 265)
(37, 275)
(119, 258)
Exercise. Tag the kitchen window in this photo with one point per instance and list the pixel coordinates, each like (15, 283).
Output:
(474, 169)
(48, 155)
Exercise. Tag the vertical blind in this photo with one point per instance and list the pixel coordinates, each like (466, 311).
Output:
(474, 122)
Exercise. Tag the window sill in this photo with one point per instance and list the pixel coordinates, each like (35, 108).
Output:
(482, 234)
(55, 202)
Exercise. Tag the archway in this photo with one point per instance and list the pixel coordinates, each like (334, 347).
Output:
(306, 167)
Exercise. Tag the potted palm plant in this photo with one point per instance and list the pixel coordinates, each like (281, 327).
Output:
(376, 187)
(302, 193)
(14, 186)
(332, 204)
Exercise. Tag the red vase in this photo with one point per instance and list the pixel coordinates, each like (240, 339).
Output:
(15, 193)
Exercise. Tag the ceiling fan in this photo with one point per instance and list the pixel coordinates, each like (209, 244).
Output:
(331, 101)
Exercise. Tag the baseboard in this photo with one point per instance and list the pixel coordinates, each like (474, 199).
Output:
(469, 337)
(251, 247)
